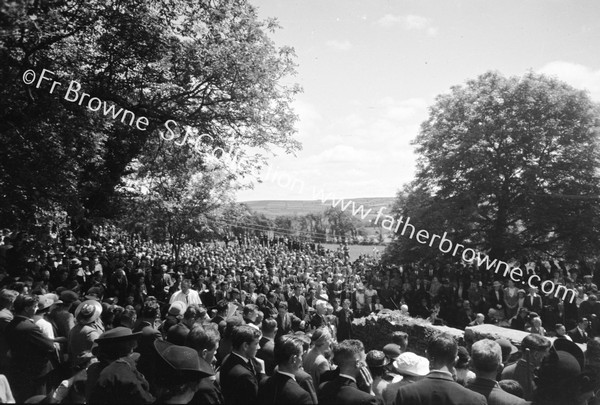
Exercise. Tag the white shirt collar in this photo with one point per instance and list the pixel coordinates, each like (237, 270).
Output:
(292, 376)
(241, 357)
(348, 377)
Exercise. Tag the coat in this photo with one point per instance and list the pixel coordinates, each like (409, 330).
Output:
(286, 324)
(438, 389)
(342, 390)
(493, 393)
(30, 349)
(238, 381)
(282, 389)
(577, 336)
(267, 354)
(121, 383)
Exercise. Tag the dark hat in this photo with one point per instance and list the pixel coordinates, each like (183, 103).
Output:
(376, 358)
(118, 334)
(182, 360)
(463, 357)
(508, 349)
(47, 300)
(392, 351)
(88, 311)
(177, 334)
(565, 345)
(68, 296)
(558, 366)
(94, 293)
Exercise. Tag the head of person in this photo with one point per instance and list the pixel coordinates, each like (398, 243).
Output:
(205, 340)
(269, 327)
(178, 373)
(512, 387)
(346, 304)
(222, 307)
(321, 339)
(288, 353)
(560, 330)
(191, 315)
(115, 343)
(7, 298)
(376, 361)
(321, 307)
(25, 305)
(244, 340)
(583, 323)
(536, 322)
(537, 346)
(186, 284)
(350, 356)
(250, 312)
(442, 352)
(282, 308)
(401, 339)
(486, 358)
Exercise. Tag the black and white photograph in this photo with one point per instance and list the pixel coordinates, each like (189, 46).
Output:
(265, 202)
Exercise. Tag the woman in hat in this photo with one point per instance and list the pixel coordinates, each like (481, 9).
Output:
(115, 378)
(88, 328)
(411, 368)
(376, 361)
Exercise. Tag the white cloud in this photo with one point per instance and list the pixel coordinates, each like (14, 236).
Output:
(409, 22)
(339, 45)
(579, 76)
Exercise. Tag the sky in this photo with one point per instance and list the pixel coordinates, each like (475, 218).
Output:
(370, 69)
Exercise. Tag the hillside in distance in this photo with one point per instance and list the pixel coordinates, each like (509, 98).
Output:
(274, 208)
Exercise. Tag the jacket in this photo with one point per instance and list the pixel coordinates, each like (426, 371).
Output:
(282, 389)
(438, 388)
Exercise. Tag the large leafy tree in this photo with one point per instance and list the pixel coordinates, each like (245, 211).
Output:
(508, 165)
(208, 66)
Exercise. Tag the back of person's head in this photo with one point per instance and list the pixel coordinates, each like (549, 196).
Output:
(592, 354)
(442, 350)
(512, 387)
(23, 301)
(249, 311)
(203, 337)
(347, 351)
(269, 325)
(321, 337)
(7, 298)
(222, 307)
(401, 339)
(243, 334)
(535, 342)
(486, 356)
(150, 310)
(286, 347)
(192, 313)
(231, 323)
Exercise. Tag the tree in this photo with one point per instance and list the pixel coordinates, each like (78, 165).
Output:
(205, 75)
(508, 166)
(341, 223)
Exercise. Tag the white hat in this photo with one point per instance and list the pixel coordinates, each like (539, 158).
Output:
(410, 364)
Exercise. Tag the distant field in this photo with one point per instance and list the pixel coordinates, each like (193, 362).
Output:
(274, 208)
(356, 250)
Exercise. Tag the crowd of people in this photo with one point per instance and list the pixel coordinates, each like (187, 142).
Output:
(115, 319)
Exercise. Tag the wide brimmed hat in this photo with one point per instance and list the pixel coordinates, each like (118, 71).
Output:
(118, 334)
(88, 311)
(570, 347)
(47, 300)
(182, 360)
(68, 296)
(410, 364)
(177, 308)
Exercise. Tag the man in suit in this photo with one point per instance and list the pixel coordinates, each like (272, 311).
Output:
(30, 351)
(267, 345)
(297, 304)
(239, 377)
(282, 388)
(345, 318)
(534, 348)
(496, 298)
(205, 340)
(486, 357)
(350, 357)
(438, 387)
(286, 322)
(579, 333)
(533, 302)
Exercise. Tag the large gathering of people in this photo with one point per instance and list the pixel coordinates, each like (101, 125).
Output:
(117, 318)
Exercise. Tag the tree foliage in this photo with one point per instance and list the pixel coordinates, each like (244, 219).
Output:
(508, 166)
(208, 66)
